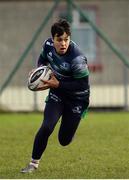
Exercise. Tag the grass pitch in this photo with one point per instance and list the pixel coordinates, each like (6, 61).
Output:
(100, 148)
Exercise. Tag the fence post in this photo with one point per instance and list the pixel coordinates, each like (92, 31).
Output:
(126, 105)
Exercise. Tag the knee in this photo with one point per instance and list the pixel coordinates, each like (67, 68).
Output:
(45, 130)
(64, 141)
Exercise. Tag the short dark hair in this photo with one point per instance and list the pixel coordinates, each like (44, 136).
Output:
(60, 27)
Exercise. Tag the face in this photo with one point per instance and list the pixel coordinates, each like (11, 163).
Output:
(61, 43)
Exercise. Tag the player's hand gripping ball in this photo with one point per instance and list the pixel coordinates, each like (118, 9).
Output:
(35, 78)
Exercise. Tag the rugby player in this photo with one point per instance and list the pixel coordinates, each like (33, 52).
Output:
(69, 92)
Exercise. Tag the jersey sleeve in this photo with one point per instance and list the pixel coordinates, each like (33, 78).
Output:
(79, 67)
(42, 57)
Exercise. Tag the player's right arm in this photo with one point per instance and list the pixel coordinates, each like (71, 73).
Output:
(42, 57)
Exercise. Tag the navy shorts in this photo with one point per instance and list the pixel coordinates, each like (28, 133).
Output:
(69, 110)
(57, 107)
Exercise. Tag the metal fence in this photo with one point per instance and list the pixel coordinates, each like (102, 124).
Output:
(108, 71)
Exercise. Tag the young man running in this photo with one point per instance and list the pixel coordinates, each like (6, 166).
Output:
(69, 90)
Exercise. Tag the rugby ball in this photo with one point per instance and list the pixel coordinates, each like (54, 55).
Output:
(40, 73)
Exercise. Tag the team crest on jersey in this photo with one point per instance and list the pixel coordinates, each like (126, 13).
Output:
(64, 66)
